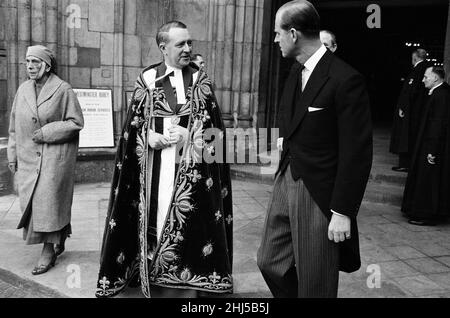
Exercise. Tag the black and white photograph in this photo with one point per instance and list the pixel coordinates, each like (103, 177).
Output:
(224, 153)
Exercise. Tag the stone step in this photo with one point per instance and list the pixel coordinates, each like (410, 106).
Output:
(381, 188)
(379, 192)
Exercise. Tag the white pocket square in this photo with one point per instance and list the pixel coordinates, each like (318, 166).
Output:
(314, 109)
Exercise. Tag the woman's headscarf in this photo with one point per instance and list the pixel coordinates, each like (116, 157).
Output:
(41, 52)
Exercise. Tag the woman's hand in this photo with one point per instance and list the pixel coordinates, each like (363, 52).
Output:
(38, 137)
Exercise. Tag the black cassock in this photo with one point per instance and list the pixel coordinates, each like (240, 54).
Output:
(194, 249)
(411, 100)
(427, 189)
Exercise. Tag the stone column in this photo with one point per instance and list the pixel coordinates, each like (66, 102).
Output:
(38, 16)
(51, 25)
(118, 64)
(23, 35)
(12, 50)
(64, 39)
(234, 57)
(227, 15)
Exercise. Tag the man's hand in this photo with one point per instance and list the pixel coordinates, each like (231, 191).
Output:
(12, 166)
(401, 113)
(431, 159)
(280, 144)
(339, 228)
(158, 141)
(177, 134)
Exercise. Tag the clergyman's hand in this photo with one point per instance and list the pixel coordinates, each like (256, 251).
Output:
(157, 141)
(177, 134)
(339, 228)
(401, 113)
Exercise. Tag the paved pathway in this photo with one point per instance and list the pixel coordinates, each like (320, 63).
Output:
(399, 259)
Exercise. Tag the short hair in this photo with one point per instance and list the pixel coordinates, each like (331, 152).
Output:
(333, 36)
(161, 35)
(439, 71)
(195, 56)
(420, 53)
(302, 16)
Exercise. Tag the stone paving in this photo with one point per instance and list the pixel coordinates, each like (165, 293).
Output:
(398, 259)
(411, 261)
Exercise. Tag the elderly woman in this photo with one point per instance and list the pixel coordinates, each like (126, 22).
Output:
(43, 142)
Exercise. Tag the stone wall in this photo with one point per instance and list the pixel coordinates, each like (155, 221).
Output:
(115, 39)
(106, 43)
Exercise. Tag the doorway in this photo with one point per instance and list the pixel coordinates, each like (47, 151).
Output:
(382, 55)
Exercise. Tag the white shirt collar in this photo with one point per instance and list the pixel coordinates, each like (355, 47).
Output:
(431, 90)
(312, 62)
(417, 63)
(171, 68)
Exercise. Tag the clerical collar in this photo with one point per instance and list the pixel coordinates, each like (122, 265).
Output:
(172, 69)
(431, 90)
(311, 63)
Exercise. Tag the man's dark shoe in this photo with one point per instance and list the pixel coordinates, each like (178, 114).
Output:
(400, 169)
(422, 222)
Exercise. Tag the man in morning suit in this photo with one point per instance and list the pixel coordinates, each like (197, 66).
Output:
(310, 231)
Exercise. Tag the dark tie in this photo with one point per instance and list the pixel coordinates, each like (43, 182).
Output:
(298, 89)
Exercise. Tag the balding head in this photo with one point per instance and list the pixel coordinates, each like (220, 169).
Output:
(419, 55)
(329, 40)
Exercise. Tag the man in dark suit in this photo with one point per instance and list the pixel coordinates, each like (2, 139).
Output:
(407, 116)
(310, 232)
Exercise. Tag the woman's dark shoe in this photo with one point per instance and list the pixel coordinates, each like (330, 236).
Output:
(41, 269)
(60, 248)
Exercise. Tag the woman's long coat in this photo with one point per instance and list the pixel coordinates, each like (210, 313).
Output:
(45, 175)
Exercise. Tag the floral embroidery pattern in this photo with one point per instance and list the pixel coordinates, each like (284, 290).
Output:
(121, 258)
(209, 183)
(207, 250)
(218, 216)
(112, 224)
(104, 288)
(224, 192)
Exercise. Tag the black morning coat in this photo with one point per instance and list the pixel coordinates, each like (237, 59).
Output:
(411, 100)
(330, 149)
(427, 187)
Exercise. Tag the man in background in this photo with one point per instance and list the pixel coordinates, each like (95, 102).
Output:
(198, 60)
(426, 199)
(408, 111)
(329, 40)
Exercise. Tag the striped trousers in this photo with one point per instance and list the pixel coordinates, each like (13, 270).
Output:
(296, 258)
